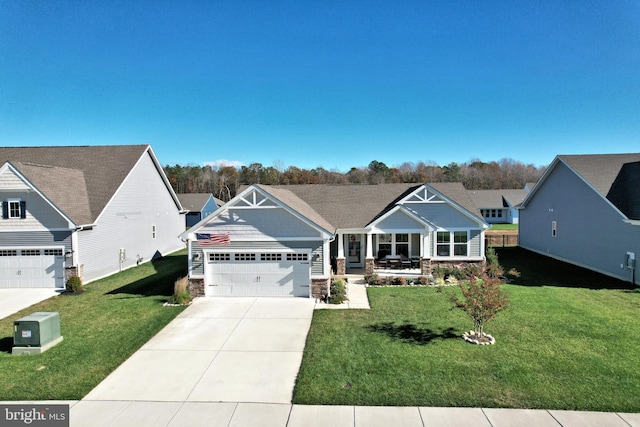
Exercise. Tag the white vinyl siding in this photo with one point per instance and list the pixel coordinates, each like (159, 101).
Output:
(143, 200)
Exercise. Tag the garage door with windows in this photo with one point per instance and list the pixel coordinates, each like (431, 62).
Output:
(258, 273)
(31, 268)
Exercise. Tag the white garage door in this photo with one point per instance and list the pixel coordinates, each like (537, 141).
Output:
(31, 268)
(258, 274)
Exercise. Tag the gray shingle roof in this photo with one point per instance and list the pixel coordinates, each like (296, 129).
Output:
(54, 183)
(289, 198)
(615, 176)
(194, 202)
(104, 168)
(599, 170)
(495, 199)
(355, 206)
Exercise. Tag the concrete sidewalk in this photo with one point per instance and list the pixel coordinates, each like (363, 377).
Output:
(356, 294)
(244, 414)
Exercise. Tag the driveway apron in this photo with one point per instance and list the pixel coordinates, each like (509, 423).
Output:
(218, 350)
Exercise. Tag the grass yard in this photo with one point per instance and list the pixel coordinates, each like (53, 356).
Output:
(559, 346)
(101, 327)
(502, 227)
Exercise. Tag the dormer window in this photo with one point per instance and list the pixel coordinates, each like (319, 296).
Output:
(14, 209)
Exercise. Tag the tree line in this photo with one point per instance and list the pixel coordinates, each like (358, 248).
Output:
(223, 182)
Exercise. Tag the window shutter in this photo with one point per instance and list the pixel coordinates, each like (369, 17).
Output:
(23, 209)
(5, 210)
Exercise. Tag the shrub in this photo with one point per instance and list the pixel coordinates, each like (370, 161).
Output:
(398, 281)
(373, 279)
(421, 281)
(74, 285)
(338, 292)
(181, 293)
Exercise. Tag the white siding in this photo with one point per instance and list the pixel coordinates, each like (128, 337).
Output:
(142, 202)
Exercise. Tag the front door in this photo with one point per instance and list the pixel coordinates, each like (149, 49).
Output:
(354, 250)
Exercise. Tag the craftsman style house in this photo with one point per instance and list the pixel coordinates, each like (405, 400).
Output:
(87, 211)
(286, 240)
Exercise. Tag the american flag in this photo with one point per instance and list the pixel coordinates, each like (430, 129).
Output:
(213, 239)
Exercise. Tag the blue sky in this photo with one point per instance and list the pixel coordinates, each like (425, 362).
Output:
(324, 83)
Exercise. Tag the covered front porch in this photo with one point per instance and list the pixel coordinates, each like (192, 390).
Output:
(385, 252)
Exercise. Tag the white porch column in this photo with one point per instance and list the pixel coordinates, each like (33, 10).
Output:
(340, 245)
(369, 245)
(421, 245)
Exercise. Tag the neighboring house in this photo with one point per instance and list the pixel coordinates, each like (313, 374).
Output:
(198, 206)
(85, 210)
(585, 210)
(498, 206)
(282, 240)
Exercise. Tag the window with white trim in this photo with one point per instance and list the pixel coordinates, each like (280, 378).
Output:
(460, 243)
(393, 244)
(402, 244)
(443, 243)
(55, 252)
(452, 243)
(8, 252)
(271, 257)
(14, 209)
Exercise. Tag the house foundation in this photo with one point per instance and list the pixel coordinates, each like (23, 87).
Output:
(428, 265)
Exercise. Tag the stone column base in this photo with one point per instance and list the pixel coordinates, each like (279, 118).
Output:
(341, 266)
(425, 266)
(369, 264)
(196, 287)
(319, 288)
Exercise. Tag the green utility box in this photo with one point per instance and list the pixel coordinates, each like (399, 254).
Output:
(36, 332)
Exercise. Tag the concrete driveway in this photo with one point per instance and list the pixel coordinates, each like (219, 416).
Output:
(218, 350)
(15, 299)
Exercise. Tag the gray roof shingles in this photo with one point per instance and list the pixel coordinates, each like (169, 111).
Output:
(355, 206)
(104, 168)
(615, 176)
(193, 202)
(495, 199)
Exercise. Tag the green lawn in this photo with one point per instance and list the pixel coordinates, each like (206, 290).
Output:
(101, 327)
(558, 347)
(504, 227)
